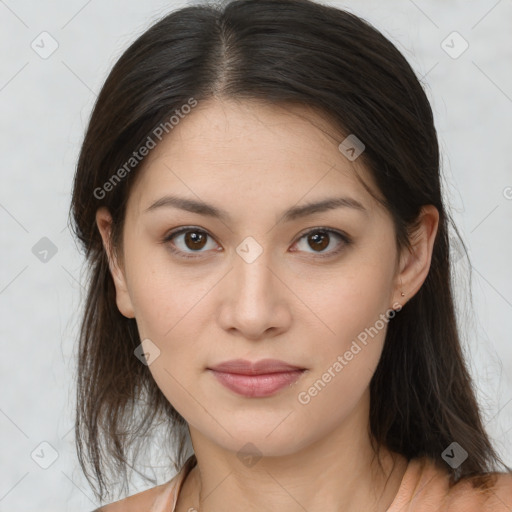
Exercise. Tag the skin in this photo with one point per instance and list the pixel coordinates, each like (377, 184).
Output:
(255, 161)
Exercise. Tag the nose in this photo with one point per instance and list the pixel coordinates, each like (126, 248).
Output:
(255, 302)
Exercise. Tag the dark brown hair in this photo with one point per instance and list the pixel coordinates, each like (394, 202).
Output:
(280, 52)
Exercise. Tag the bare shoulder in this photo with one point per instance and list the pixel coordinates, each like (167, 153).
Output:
(496, 496)
(139, 502)
(157, 499)
(427, 484)
(502, 491)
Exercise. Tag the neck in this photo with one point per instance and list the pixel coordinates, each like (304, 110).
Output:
(340, 471)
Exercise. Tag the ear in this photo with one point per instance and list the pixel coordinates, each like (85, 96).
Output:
(124, 303)
(415, 263)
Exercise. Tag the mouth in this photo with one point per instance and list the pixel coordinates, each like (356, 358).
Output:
(256, 380)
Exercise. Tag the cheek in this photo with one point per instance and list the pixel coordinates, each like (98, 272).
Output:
(355, 312)
(167, 305)
(348, 301)
(343, 371)
(164, 295)
(171, 306)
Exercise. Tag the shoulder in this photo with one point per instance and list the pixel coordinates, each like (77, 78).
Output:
(426, 486)
(495, 496)
(161, 498)
(142, 501)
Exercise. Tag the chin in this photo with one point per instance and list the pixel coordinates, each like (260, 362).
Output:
(258, 439)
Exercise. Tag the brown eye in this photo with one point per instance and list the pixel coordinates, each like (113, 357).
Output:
(319, 239)
(195, 240)
(187, 241)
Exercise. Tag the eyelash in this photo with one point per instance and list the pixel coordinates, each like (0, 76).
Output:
(345, 239)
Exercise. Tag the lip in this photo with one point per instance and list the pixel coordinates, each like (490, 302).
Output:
(259, 379)
(263, 366)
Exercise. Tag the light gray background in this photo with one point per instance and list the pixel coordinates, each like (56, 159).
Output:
(45, 104)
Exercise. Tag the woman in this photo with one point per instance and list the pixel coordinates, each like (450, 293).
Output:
(258, 196)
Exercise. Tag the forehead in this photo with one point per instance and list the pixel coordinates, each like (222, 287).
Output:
(252, 150)
(233, 127)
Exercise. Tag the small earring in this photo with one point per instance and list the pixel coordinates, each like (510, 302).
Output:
(402, 294)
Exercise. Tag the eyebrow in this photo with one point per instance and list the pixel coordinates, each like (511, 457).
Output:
(293, 213)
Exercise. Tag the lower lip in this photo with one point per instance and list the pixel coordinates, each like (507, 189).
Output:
(257, 386)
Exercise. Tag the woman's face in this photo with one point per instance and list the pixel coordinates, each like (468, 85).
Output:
(256, 283)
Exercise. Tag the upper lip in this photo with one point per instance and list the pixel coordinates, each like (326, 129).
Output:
(263, 366)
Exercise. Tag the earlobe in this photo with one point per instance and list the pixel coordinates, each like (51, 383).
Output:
(123, 300)
(415, 263)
